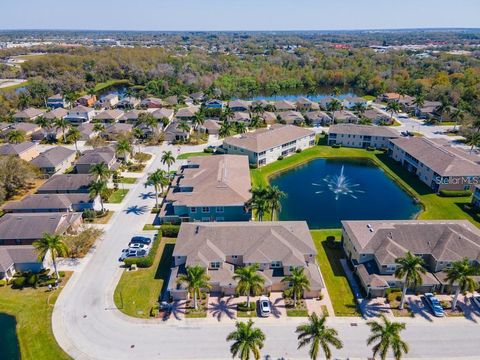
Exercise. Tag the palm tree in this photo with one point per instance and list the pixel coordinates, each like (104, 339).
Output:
(228, 113)
(100, 171)
(393, 107)
(255, 121)
(249, 281)
(410, 268)
(247, 340)
(198, 120)
(98, 127)
(195, 279)
(183, 126)
(240, 127)
(472, 139)
(457, 115)
(150, 121)
(16, 136)
(419, 101)
(387, 336)
(138, 134)
(225, 129)
(298, 281)
(259, 202)
(443, 109)
(359, 109)
(122, 148)
(274, 197)
(258, 109)
(333, 106)
(63, 125)
(74, 135)
(51, 243)
(168, 159)
(98, 188)
(43, 122)
(317, 333)
(158, 179)
(461, 274)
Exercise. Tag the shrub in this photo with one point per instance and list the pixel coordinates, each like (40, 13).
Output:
(370, 148)
(19, 282)
(79, 245)
(336, 146)
(89, 214)
(3, 282)
(208, 150)
(47, 282)
(253, 166)
(154, 311)
(455, 193)
(243, 306)
(298, 151)
(31, 280)
(147, 261)
(170, 231)
(280, 157)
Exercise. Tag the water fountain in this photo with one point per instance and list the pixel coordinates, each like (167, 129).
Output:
(339, 185)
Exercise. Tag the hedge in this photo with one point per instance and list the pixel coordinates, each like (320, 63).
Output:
(147, 261)
(455, 193)
(336, 146)
(170, 231)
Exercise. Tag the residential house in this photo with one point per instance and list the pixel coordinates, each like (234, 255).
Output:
(240, 116)
(171, 100)
(377, 117)
(87, 131)
(54, 160)
(57, 113)
(318, 118)
(266, 145)
(361, 136)
(49, 134)
(26, 150)
(128, 102)
(269, 117)
(197, 97)
(239, 105)
(209, 188)
(30, 114)
(163, 113)
(210, 127)
(437, 163)
(284, 105)
(57, 101)
(303, 104)
(324, 103)
(87, 100)
(80, 114)
(428, 110)
(18, 258)
(40, 203)
(174, 134)
(109, 101)
(108, 116)
(27, 128)
(344, 116)
(214, 104)
(99, 155)
(373, 247)
(277, 248)
(130, 117)
(152, 103)
(66, 184)
(351, 101)
(187, 113)
(114, 131)
(290, 117)
(25, 228)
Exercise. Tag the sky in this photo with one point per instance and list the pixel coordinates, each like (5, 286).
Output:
(251, 15)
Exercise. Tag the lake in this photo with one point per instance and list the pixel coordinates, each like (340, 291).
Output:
(9, 348)
(319, 194)
(293, 97)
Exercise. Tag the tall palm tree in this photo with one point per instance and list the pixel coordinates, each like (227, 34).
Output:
(150, 121)
(100, 171)
(247, 340)
(74, 135)
(183, 126)
(359, 109)
(168, 159)
(258, 109)
(63, 125)
(98, 188)
(195, 279)
(457, 115)
(443, 109)
(228, 113)
(461, 274)
(98, 127)
(393, 107)
(274, 197)
(240, 127)
(386, 335)
(43, 122)
(198, 119)
(158, 179)
(16, 136)
(256, 121)
(318, 334)
(122, 148)
(410, 268)
(298, 282)
(53, 244)
(419, 101)
(225, 129)
(249, 281)
(138, 134)
(333, 106)
(472, 139)
(259, 202)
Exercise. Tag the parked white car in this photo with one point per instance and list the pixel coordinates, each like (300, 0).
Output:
(265, 308)
(138, 246)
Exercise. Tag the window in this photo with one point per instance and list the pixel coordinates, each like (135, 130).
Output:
(193, 210)
(276, 264)
(205, 219)
(215, 264)
(220, 218)
(234, 256)
(220, 209)
(205, 209)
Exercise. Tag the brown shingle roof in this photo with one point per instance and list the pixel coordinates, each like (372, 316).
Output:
(52, 157)
(366, 130)
(67, 182)
(16, 149)
(47, 201)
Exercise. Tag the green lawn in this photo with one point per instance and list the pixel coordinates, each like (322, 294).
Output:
(434, 206)
(32, 309)
(138, 291)
(328, 258)
(127, 180)
(118, 196)
(109, 83)
(188, 155)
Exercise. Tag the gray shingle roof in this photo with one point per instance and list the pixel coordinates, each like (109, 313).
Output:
(67, 182)
(47, 201)
(365, 130)
(17, 254)
(53, 157)
(16, 149)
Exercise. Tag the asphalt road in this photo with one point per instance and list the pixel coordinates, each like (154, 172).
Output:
(87, 324)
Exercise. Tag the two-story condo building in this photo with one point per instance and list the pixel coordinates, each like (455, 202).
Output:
(57, 101)
(266, 145)
(211, 188)
(436, 163)
(374, 246)
(361, 136)
(277, 247)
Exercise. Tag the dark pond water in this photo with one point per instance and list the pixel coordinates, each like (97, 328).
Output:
(9, 349)
(119, 90)
(319, 194)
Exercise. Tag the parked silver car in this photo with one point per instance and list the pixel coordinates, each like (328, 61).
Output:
(265, 308)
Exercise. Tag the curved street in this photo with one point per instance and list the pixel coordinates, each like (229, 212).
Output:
(87, 325)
